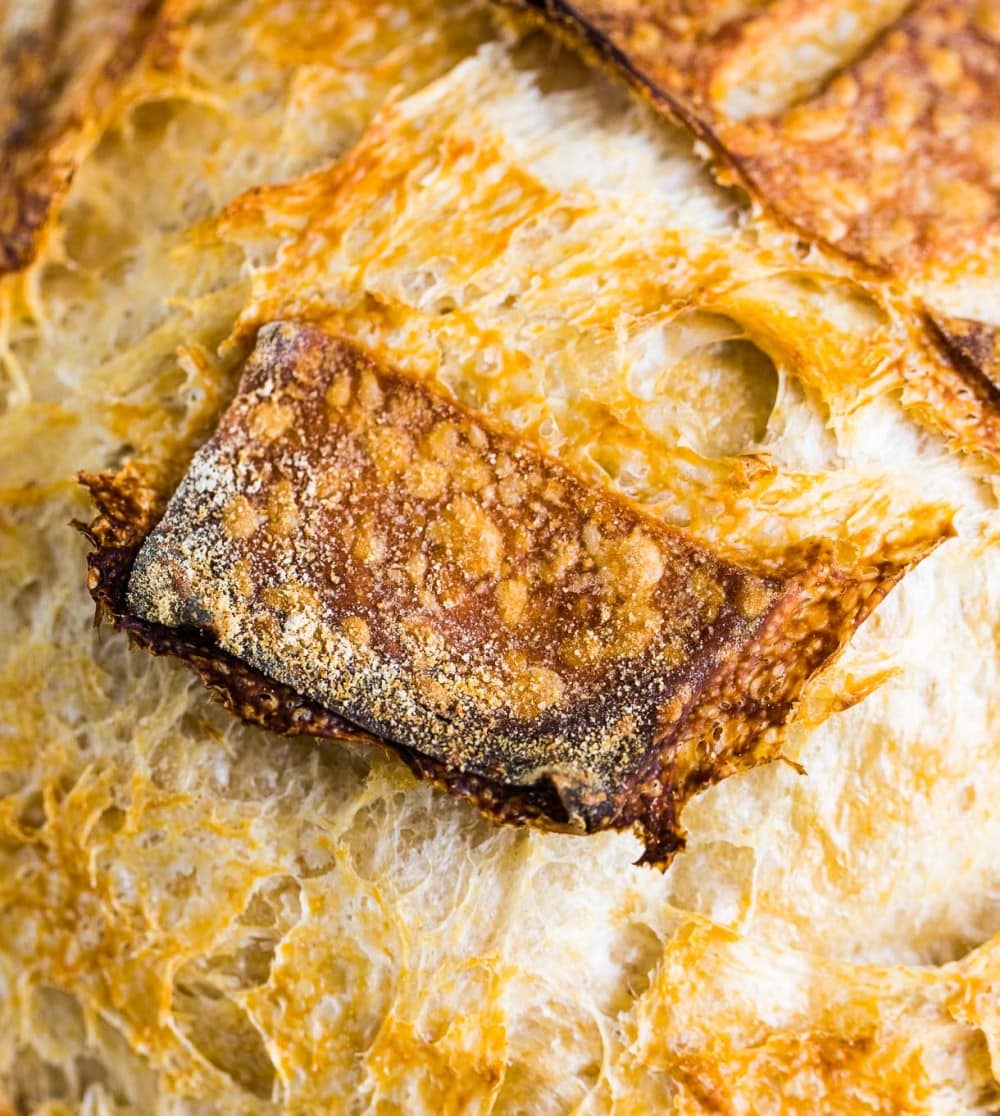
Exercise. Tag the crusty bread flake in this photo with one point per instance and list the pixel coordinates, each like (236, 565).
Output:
(395, 560)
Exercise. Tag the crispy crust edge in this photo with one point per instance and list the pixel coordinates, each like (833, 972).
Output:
(42, 148)
(129, 504)
(750, 697)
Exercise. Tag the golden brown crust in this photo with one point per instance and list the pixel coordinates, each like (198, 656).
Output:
(892, 159)
(897, 160)
(521, 635)
(57, 77)
(896, 157)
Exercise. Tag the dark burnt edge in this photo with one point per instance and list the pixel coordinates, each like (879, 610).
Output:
(970, 353)
(128, 508)
(560, 18)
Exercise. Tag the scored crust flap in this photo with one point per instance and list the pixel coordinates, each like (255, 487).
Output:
(352, 554)
(869, 127)
(60, 72)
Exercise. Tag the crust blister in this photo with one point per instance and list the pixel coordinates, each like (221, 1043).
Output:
(357, 535)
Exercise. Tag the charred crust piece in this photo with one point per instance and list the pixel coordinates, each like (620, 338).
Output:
(892, 159)
(975, 348)
(57, 76)
(353, 554)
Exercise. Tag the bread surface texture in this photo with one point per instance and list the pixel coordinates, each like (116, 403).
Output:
(869, 127)
(202, 915)
(436, 582)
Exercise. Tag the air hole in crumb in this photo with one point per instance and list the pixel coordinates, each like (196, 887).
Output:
(31, 817)
(713, 879)
(32, 1083)
(572, 1039)
(703, 384)
(636, 953)
(364, 838)
(221, 1031)
(275, 905)
(443, 306)
(57, 1020)
(93, 1077)
(111, 821)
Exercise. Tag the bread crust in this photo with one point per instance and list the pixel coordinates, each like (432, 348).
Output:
(522, 638)
(197, 913)
(49, 118)
(892, 159)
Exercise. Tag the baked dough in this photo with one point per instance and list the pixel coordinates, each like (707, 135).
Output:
(868, 126)
(196, 915)
(401, 570)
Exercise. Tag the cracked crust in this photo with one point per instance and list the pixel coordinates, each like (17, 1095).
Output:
(518, 634)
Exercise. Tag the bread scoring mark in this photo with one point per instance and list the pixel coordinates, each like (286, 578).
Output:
(891, 156)
(575, 664)
(926, 89)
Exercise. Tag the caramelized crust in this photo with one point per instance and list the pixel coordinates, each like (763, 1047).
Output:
(129, 505)
(392, 561)
(890, 154)
(894, 158)
(897, 160)
(58, 74)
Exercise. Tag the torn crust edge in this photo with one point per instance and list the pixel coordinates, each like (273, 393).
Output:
(731, 724)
